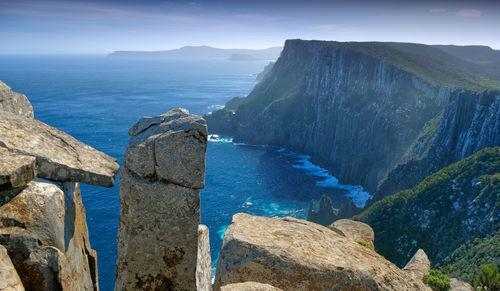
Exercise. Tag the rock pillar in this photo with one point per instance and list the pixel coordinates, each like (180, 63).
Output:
(160, 181)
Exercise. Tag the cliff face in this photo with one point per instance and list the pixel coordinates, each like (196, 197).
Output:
(367, 112)
(354, 114)
(470, 122)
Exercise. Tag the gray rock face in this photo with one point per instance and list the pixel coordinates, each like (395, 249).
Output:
(457, 285)
(293, 254)
(419, 265)
(164, 168)
(9, 279)
(355, 230)
(59, 156)
(13, 102)
(204, 261)
(470, 122)
(15, 170)
(45, 233)
(249, 286)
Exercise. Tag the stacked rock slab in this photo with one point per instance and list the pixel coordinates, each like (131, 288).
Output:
(293, 254)
(43, 227)
(160, 182)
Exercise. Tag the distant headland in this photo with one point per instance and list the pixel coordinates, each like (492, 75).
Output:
(206, 52)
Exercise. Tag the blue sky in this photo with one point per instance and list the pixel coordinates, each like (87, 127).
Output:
(76, 26)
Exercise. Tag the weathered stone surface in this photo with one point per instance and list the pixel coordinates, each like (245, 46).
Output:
(204, 261)
(164, 167)
(169, 148)
(294, 254)
(419, 265)
(249, 286)
(13, 102)
(15, 170)
(457, 285)
(44, 230)
(355, 230)
(9, 279)
(60, 157)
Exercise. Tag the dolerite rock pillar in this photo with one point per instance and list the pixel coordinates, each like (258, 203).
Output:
(160, 181)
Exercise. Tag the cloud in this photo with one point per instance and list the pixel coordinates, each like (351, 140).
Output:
(469, 13)
(437, 10)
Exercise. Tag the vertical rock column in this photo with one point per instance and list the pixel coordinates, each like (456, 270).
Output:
(160, 181)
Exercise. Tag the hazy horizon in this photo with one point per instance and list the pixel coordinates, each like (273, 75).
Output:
(101, 27)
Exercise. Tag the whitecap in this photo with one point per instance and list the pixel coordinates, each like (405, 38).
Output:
(355, 192)
(215, 138)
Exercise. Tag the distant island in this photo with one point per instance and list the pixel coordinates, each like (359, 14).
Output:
(207, 52)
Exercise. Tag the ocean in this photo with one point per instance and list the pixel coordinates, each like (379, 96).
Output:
(97, 99)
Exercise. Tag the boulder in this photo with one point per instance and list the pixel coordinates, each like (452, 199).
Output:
(204, 261)
(13, 102)
(419, 264)
(249, 286)
(15, 170)
(294, 254)
(355, 230)
(163, 170)
(59, 156)
(9, 279)
(44, 230)
(457, 285)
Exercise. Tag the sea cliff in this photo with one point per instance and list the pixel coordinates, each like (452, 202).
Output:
(365, 110)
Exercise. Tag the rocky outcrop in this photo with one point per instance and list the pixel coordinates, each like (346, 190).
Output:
(13, 102)
(43, 226)
(419, 265)
(248, 286)
(293, 254)
(44, 229)
(457, 285)
(163, 170)
(59, 156)
(204, 261)
(355, 230)
(9, 279)
(325, 214)
(17, 170)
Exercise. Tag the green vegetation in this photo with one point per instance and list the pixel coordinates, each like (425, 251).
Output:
(445, 211)
(466, 261)
(426, 62)
(489, 278)
(437, 281)
(365, 244)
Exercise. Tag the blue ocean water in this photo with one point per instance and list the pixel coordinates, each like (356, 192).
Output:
(96, 99)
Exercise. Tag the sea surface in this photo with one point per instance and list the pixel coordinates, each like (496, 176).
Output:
(97, 99)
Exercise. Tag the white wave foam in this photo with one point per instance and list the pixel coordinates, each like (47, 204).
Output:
(215, 138)
(355, 192)
(358, 195)
(215, 107)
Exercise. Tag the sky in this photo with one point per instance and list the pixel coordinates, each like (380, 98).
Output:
(78, 26)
